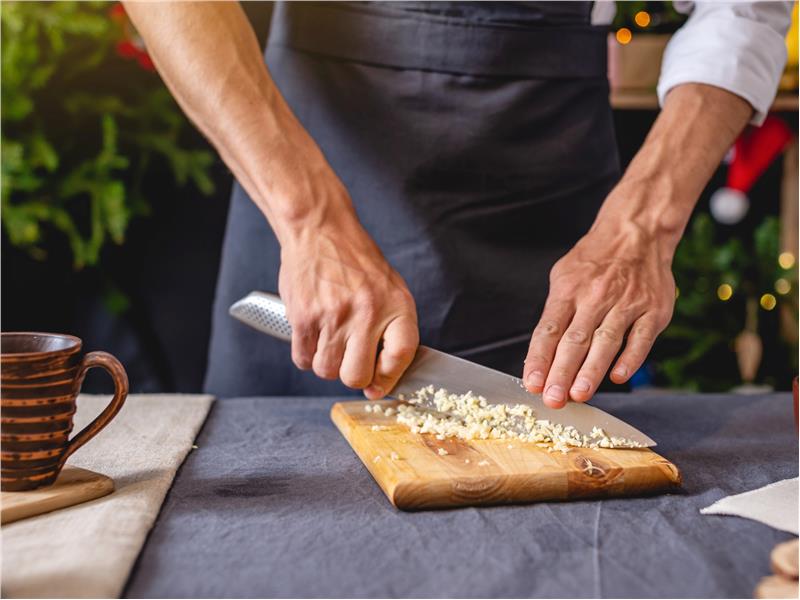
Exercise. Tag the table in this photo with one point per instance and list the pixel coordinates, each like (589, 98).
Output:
(273, 502)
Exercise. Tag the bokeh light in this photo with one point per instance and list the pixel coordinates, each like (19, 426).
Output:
(768, 301)
(782, 286)
(786, 260)
(677, 292)
(642, 18)
(624, 35)
(724, 292)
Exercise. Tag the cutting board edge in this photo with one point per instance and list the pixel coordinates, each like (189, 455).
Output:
(340, 419)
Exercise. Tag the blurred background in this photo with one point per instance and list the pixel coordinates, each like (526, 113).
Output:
(114, 207)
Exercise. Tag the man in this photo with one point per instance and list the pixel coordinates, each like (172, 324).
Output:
(424, 166)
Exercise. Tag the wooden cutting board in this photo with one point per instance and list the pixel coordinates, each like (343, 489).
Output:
(480, 472)
(73, 486)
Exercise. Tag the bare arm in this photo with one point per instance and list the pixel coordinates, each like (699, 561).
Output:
(342, 297)
(617, 280)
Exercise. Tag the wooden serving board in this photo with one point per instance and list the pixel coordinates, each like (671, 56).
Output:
(73, 486)
(480, 472)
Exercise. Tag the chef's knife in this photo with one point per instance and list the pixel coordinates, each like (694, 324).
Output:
(267, 313)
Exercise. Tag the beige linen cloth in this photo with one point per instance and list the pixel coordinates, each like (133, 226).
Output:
(774, 505)
(88, 550)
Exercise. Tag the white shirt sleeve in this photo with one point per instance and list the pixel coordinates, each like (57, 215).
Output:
(737, 46)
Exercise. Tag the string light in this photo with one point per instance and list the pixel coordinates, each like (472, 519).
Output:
(624, 35)
(782, 286)
(642, 19)
(724, 292)
(786, 260)
(768, 302)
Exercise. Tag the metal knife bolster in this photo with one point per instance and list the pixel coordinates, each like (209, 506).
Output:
(267, 313)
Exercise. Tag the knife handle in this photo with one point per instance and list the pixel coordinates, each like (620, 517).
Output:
(265, 312)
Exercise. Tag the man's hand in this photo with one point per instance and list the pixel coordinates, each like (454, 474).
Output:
(342, 297)
(342, 300)
(612, 283)
(615, 287)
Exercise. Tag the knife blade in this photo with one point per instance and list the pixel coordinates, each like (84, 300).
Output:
(267, 313)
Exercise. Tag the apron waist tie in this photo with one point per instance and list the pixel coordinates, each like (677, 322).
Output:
(400, 39)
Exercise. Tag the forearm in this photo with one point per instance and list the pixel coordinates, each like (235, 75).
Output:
(660, 188)
(208, 55)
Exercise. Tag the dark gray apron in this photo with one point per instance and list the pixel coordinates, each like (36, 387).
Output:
(477, 144)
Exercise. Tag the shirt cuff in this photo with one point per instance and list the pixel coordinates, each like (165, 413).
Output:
(737, 54)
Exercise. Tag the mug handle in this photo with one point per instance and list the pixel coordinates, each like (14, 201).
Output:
(117, 372)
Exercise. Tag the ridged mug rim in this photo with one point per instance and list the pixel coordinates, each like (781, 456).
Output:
(76, 345)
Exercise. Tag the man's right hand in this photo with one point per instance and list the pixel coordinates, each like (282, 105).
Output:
(352, 315)
(343, 299)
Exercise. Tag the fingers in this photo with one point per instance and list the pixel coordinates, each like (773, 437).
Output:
(304, 345)
(606, 342)
(400, 341)
(570, 353)
(544, 341)
(328, 357)
(640, 340)
(358, 362)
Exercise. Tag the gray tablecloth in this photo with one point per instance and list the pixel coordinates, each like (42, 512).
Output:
(274, 503)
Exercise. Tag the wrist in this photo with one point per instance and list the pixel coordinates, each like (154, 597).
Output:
(648, 207)
(289, 179)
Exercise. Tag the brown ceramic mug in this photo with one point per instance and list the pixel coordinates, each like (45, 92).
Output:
(40, 377)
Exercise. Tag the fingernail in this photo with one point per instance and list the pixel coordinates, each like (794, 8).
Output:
(535, 379)
(621, 371)
(374, 392)
(554, 393)
(581, 385)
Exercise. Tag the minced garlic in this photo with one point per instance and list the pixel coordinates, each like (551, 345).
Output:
(470, 417)
(442, 452)
(394, 456)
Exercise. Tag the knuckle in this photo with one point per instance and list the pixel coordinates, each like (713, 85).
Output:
(664, 316)
(401, 352)
(593, 371)
(557, 270)
(577, 337)
(325, 372)
(337, 312)
(547, 329)
(401, 297)
(645, 333)
(302, 323)
(365, 298)
(561, 373)
(538, 359)
(599, 289)
(607, 335)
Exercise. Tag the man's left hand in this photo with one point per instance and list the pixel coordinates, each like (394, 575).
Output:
(614, 287)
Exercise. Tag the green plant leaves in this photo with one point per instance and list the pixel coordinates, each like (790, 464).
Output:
(76, 145)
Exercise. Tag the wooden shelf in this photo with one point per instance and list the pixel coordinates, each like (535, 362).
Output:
(646, 100)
